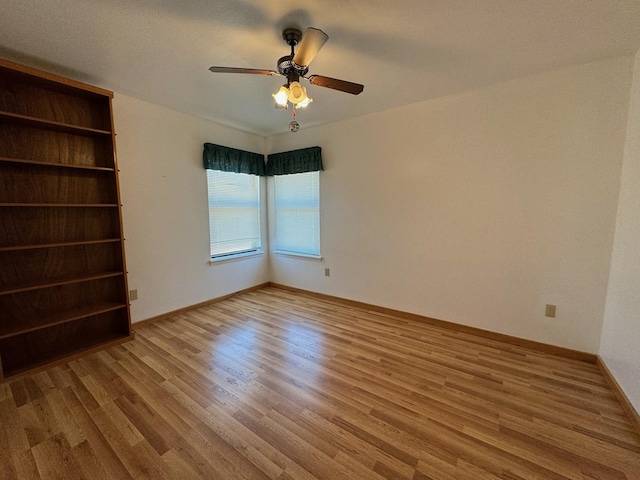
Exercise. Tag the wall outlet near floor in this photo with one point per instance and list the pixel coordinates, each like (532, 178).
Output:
(550, 311)
(133, 295)
(326, 272)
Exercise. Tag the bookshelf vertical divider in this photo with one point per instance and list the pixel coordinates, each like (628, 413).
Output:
(63, 278)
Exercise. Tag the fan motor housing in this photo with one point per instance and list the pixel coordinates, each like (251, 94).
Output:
(286, 67)
(285, 64)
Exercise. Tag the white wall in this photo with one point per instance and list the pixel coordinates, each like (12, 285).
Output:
(620, 345)
(477, 208)
(164, 196)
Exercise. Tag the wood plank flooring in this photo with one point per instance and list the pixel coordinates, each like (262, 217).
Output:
(273, 384)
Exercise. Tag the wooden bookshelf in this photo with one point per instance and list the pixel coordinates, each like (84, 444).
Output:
(63, 283)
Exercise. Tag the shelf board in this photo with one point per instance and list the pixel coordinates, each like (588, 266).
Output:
(60, 282)
(67, 356)
(39, 163)
(51, 81)
(51, 125)
(58, 244)
(30, 325)
(61, 205)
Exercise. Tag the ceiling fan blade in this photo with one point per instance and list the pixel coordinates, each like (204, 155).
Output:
(255, 71)
(311, 43)
(342, 85)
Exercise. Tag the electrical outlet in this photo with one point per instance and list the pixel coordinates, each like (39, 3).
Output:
(133, 295)
(326, 272)
(550, 311)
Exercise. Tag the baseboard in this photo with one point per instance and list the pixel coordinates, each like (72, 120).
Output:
(521, 342)
(173, 313)
(627, 406)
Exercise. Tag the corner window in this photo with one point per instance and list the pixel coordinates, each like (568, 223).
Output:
(297, 212)
(234, 213)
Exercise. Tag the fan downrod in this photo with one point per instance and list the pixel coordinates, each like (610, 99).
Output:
(285, 65)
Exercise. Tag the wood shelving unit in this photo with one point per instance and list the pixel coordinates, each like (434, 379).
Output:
(63, 283)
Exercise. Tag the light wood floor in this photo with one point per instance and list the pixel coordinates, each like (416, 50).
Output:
(278, 385)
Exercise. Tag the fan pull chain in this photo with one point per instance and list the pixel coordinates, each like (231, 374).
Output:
(294, 126)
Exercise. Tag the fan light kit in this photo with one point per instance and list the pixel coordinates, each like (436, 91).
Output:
(295, 66)
(294, 93)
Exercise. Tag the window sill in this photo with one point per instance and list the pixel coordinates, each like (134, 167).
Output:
(304, 256)
(235, 256)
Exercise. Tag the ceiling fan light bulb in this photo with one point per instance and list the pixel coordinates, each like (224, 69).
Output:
(304, 103)
(297, 93)
(281, 96)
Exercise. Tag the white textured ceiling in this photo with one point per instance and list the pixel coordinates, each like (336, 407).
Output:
(403, 51)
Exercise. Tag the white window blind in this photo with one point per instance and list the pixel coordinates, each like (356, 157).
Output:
(234, 212)
(297, 211)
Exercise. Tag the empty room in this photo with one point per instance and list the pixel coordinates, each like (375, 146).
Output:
(249, 240)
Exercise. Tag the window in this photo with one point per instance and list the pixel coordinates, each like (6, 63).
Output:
(234, 213)
(297, 211)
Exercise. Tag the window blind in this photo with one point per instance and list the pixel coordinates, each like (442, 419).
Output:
(297, 212)
(234, 212)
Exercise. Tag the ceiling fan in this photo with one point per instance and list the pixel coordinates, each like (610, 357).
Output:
(296, 65)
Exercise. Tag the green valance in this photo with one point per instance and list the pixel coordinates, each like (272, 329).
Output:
(226, 159)
(295, 161)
